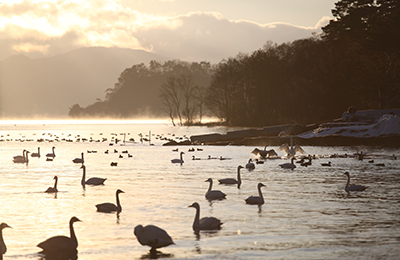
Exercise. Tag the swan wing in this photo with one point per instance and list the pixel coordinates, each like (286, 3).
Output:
(298, 149)
(284, 147)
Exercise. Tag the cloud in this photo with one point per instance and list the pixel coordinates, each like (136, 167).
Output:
(44, 28)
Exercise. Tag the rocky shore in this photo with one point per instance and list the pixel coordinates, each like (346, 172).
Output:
(368, 127)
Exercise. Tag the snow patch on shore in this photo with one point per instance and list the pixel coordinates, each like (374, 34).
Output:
(387, 125)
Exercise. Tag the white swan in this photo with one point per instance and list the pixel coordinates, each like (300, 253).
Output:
(3, 248)
(36, 154)
(290, 165)
(250, 165)
(214, 194)
(53, 189)
(291, 151)
(79, 160)
(152, 236)
(23, 159)
(91, 181)
(178, 160)
(237, 181)
(52, 154)
(60, 245)
(205, 223)
(353, 187)
(256, 200)
(110, 207)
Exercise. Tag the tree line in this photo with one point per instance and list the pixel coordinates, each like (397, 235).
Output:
(354, 61)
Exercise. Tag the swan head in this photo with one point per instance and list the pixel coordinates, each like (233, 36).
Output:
(4, 225)
(182, 153)
(55, 178)
(74, 219)
(119, 191)
(208, 180)
(83, 167)
(194, 205)
(240, 167)
(347, 174)
(260, 185)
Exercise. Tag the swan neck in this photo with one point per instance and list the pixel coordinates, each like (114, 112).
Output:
(196, 222)
(72, 233)
(55, 183)
(348, 182)
(260, 193)
(119, 208)
(238, 176)
(210, 186)
(83, 176)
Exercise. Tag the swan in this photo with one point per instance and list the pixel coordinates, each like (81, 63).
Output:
(353, 187)
(23, 159)
(91, 181)
(20, 157)
(79, 160)
(152, 236)
(250, 165)
(232, 180)
(205, 223)
(36, 154)
(292, 150)
(256, 200)
(326, 164)
(264, 153)
(59, 244)
(110, 207)
(214, 194)
(3, 248)
(290, 165)
(53, 189)
(52, 154)
(178, 160)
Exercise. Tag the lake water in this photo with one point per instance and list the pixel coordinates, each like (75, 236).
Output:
(306, 215)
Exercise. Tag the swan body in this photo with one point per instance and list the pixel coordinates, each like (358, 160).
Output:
(353, 187)
(52, 154)
(110, 207)
(250, 165)
(79, 160)
(290, 165)
(53, 189)
(36, 154)
(178, 160)
(3, 248)
(60, 244)
(205, 223)
(152, 236)
(214, 194)
(91, 181)
(237, 181)
(256, 200)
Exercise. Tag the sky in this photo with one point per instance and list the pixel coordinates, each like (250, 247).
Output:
(183, 29)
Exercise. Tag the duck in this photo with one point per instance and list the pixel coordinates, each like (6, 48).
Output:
(194, 158)
(61, 244)
(256, 200)
(52, 154)
(290, 165)
(79, 160)
(113, 164)
(205, 223)
(250, 165)
(36, 154)
(237, 181)
(178, 160)
(152, 236)
(110, 207)
(326, 164)
(3, 248)
(91, 181)
(214, 194)
(353, 187)
(53, 189)
(380, 164)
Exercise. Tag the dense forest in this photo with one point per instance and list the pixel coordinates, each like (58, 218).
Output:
(354, 61)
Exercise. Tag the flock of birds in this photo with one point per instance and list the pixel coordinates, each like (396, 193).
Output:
(151, 235)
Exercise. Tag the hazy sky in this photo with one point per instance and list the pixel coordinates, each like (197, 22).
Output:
(184, 29)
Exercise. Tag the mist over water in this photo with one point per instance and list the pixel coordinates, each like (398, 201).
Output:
(306, 215)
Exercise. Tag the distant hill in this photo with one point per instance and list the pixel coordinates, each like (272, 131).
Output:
(50, 86)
